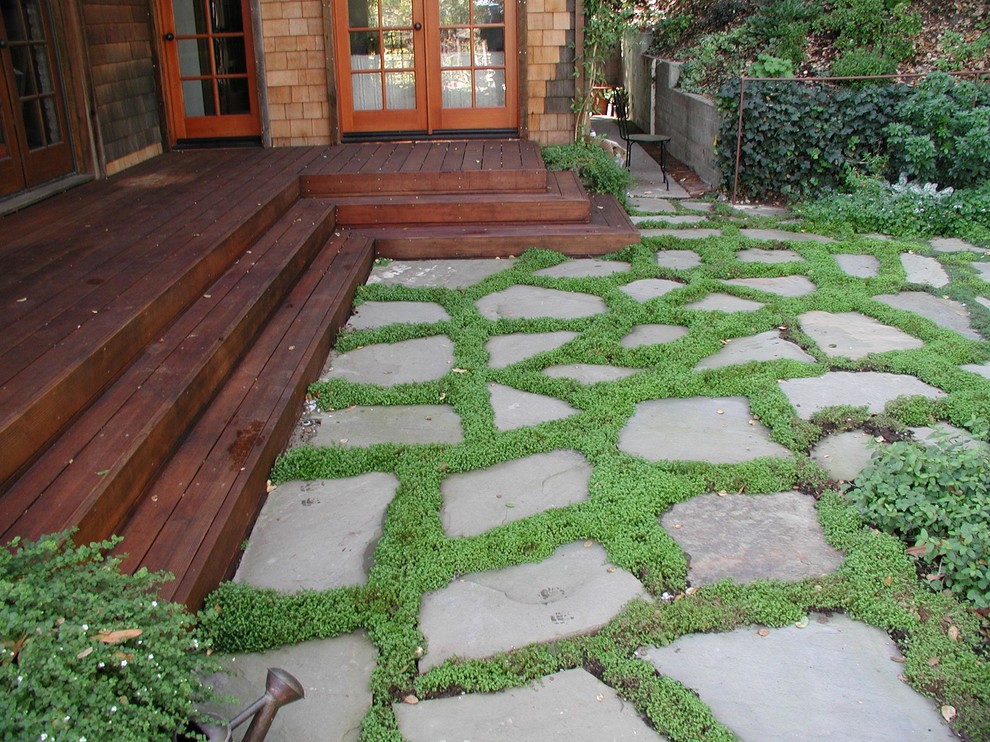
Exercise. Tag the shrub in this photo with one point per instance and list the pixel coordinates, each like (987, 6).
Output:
(888, 26)
(936, 498)
(768, 66)
(862, 62)
(88, 652)
(782, 26)
(598, 171)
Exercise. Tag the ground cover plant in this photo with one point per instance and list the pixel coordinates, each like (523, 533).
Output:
(942, 636)
(87, 652)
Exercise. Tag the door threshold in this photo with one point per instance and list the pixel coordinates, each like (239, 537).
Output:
(422, 136)
(23, 199)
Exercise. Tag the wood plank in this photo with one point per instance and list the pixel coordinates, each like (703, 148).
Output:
(453, 161)
(131, 429)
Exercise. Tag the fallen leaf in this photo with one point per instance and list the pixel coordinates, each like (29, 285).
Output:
(888, 580)
(459, 370)
(953, 633)
(719, 412)
(85, 653)
(916, 550)
(117, 637)
(723, 493)
(802, 623)
(588, 544)
(934, 661)
(764, 632)
(599, 698)
(948, 712)
(898, 660)
(22, 300)
(411, 700)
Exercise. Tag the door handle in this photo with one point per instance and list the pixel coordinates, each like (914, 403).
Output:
(417, 26)
(169, 36)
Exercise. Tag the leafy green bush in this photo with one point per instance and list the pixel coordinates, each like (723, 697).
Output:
(770, 66)
(902, 210)
(941, 132)
(861, 62)
(958, 52)
(88, 652)
(598, 170)
(782, 26)
(887, 26)
(935, 497)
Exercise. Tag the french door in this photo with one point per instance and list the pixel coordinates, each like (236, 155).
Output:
(426, 66)
(209, 69)
(34, 145)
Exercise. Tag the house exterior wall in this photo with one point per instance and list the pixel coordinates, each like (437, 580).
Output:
(548, 85)
(124, 81)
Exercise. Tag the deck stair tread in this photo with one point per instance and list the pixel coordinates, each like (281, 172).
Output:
(119, 442)
(563, 200)
(193, 518)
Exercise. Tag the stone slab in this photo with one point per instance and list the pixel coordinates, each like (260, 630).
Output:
(516, 409)
(946, 313)
(983, 300)
(872, 389)
(641, 335)
(402, 424)
(784, 235)
(574, 591)
(651, 204)
(389, 364)
(678, 259)
(527, 302)
(712, 429)
(688, 233)
(924, 270)
(982, 270)
(844, 455)
(584, 268)
(944, 432)
(319, 534)
(568, 706)
(373, 314)
(450, 274)
(983, 369)
(697, 205)
(953, 244)
(589, 373)
(790, 286)
(759, 255)
(832, 680)
(854, 335)
(724, 303)
(335, 675)
(677, 219)
(767, 346)
(649, 288)
(477, 501)
(750, 537)
(762, 210)
(504, 350)
(858, 266)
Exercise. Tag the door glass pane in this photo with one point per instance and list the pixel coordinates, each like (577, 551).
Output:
(227, 17)
(400, 91)
(367, 91)
(190, 17)
(456, 88)
(489, 11)
(198, 97)
(194, 57)
(398, 50)
(13, 21)
(234, 96)
(362, 13)
(24, 79)
(489, 47)
(396, 13)
(455, 47)
(455, 12)
(230, 55)
(489, 87)
(364, 50)
(34, 128)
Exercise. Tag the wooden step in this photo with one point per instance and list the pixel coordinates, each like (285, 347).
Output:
(91, 475)
(66, 348)
(564, 200)
(194, 517)
(475, 166)
(608, 231)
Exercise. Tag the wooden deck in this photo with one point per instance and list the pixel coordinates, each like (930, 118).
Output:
(159, 329)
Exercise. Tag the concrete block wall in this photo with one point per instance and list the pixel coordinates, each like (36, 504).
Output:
(692, 121)
(296, 72)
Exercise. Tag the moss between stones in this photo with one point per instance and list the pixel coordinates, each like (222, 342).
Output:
(876, 583)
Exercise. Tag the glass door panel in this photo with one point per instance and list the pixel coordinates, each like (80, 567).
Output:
(32, 115)
(210, 61)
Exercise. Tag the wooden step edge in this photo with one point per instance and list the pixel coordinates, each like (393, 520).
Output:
(249, 424)
(117, 444)
(32, 417)
(529, 180)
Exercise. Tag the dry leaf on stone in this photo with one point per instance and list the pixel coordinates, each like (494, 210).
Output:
(411, 700)
(763, 632)
(948, 712)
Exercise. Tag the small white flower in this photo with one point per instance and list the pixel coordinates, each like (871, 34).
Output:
(85, 627)
(151, 656)
(154, 604)
(123, 663)
(113, 709)
(100, 665)
(43, 737)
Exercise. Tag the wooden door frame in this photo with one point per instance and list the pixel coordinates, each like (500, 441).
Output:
(173, 110)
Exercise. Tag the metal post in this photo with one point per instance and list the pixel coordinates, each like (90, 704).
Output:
(739, 134)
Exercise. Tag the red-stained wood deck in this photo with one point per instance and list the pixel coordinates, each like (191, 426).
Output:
(159, 329)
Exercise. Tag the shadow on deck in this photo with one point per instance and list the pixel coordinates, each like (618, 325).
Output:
(159, 329)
